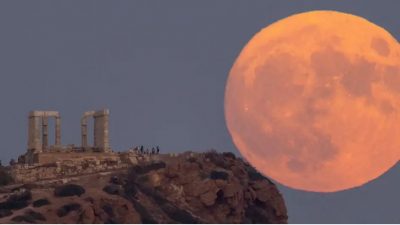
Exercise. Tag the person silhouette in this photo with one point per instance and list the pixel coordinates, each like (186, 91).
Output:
(141, 149)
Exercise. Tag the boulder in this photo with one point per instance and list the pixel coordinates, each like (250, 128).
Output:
(256, 185)
(220, 183)
(197, 187)
(172, 171)
(155, 179)
(263, 195)
(231, 189)
(250, 194)
(208, 198)
(239, 172)
(87, 216)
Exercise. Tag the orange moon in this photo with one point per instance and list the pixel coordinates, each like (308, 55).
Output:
(313, 101)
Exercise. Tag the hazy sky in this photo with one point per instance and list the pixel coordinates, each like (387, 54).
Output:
(160, 67)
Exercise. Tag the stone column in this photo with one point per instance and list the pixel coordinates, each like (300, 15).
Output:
(58, 131)
(101, 137)
(34, 132)
(45, 132)
(105, 139)
(84, 133)
(84, 127)
(96, 136)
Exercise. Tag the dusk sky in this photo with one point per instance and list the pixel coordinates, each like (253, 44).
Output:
(161, 68)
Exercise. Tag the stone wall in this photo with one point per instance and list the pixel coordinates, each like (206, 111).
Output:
(78, 157)
(32, 173)
(59, 165)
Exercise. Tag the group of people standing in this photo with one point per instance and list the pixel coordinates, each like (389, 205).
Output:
(147, 151)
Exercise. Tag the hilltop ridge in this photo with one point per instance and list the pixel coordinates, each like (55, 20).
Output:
(190, 187)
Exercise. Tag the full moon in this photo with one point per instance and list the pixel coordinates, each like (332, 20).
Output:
(313, 101)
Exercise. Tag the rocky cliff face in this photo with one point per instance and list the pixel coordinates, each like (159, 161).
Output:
(188, 188)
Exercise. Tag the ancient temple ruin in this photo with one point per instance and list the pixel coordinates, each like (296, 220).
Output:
(44, 161)
(39, 150)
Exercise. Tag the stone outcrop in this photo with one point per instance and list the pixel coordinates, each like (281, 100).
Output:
(222, 189)
(184, 188)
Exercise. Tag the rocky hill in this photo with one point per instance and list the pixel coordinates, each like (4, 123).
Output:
(187, 188)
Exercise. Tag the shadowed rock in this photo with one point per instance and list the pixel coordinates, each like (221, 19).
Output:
(229, 155)
(141, 169)
(18, 200)
(29, 216)
(64, 210)
(68, 190)
(40, 202)
(5, 177)
(5, 212)
(145, 215)
(215, 175)
(112, 189)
